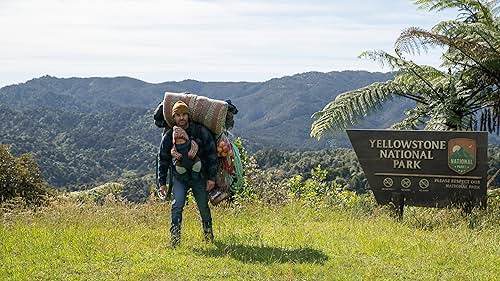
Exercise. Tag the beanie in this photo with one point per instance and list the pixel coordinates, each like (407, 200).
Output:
(180, 108)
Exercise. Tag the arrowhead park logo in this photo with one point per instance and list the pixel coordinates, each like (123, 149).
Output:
(462, 155)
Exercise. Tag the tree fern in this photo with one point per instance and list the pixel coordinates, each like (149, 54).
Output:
(448, 100)
(348, 108)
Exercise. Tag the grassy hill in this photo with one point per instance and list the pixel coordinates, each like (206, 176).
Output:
(118, 241)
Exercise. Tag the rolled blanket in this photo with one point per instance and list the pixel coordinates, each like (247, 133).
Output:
(209, 112)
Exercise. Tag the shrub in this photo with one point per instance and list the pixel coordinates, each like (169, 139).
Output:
(313, 191)
(20, 178)
(264, 185)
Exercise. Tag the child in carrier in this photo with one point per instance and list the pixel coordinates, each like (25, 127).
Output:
(184, 151)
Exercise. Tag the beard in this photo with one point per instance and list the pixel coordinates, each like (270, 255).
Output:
(182, 123)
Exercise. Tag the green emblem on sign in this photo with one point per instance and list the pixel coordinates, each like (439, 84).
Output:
(462, 155)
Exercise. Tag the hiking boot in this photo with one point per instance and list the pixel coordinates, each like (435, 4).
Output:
(175, 236)
(208, 235)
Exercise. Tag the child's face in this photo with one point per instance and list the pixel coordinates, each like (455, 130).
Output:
(179, 135)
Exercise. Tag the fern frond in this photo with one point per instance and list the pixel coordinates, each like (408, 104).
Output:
(412, 121)
(351, 107)
(437, 123)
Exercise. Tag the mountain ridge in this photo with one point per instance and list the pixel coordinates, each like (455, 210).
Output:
(264, 106)
(83, 130)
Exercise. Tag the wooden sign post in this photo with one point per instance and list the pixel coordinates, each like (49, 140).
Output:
(424, 168)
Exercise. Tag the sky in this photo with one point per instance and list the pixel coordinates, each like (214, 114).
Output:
(207, 40)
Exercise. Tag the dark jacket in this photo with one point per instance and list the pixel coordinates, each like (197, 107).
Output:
(207, 152)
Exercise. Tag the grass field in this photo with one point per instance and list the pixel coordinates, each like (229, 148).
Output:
(119, 241)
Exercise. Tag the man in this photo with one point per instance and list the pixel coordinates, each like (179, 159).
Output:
(200, 182)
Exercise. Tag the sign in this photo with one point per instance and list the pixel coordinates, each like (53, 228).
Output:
(427, 168)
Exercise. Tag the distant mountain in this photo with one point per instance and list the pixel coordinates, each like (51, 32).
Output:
(83, 130)
(268, 110)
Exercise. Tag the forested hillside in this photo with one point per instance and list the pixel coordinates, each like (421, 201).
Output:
(75, 148)
(91, 130)
(280, 106)
(86, 131)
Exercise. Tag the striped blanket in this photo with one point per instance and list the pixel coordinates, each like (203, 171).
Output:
(209, 112)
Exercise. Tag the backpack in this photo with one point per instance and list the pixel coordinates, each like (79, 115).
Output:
(158, 116)
(229, 179)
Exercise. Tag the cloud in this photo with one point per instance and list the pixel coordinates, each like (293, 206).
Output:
(207, 40)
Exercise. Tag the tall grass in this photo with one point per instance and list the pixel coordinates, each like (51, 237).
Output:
(254, 241)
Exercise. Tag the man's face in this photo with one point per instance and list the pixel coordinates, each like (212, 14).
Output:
(181, 120)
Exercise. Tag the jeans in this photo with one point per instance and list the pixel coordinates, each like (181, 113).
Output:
(181, 185)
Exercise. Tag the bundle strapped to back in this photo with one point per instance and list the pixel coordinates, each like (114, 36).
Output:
(209, 112)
